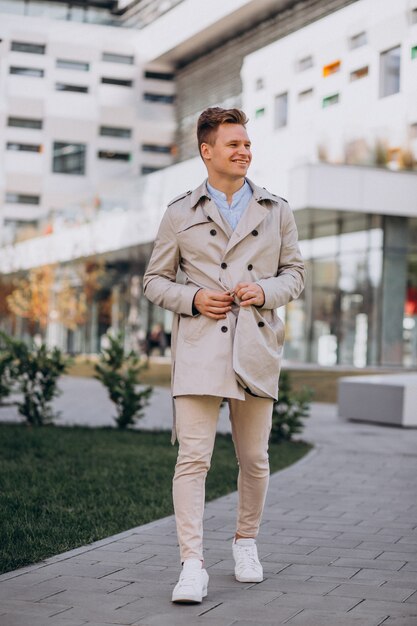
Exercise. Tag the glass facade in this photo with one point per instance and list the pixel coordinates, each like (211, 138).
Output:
(90, 12)
(359, 307)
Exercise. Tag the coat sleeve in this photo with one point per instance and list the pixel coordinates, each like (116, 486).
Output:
(289, 281)
(160, 284)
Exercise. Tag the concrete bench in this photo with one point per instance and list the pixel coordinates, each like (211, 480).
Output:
(385, 399)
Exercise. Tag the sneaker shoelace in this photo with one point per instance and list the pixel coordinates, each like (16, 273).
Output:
(188, 579)
(249, 556)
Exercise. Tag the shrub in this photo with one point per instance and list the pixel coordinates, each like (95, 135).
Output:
(289, 410)
(6, 368)
(37, 370)
(119, 373)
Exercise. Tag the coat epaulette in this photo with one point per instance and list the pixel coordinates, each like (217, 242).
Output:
(180, 197)
(275, 196)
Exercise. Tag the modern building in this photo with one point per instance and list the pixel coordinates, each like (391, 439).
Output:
(331, 92)
(79, 106)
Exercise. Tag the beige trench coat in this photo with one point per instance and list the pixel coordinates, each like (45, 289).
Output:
(224, 357)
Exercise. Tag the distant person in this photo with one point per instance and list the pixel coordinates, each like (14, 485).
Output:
(237, 245)
(156, 338)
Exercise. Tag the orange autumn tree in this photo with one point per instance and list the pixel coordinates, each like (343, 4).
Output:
(42, 292)
(76, 291)
(92, 274)
(71, 305)
(6, 289)
(31, 296)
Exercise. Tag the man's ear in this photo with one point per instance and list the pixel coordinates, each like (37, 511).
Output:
(205, 150)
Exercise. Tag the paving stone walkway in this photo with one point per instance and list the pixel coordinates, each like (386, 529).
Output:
(338, 543)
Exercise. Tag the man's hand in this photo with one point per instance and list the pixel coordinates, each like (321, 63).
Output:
(250, 294)
(214, 304)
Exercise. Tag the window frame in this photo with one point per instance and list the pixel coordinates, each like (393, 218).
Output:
(79, 170)
(117, 82)
(126, 133)
(68, 64)
(14, 47)
(28, 72)
(384, 76)
(118, 57)
(14, 197)
(283, 96)
(37, 123)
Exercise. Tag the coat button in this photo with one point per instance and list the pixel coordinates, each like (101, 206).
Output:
(255, 233)
(261, 324)
(224, 329)
(213, 232)
(223, 265)
(250, 267)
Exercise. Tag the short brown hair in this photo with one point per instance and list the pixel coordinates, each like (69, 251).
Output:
(210, 120)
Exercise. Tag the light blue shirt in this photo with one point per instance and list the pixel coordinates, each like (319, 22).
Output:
(240, 200)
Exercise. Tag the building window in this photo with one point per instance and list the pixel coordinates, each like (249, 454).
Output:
(74, 88)
(111, 57)
(32, 48)
(413, 130)
(27, 71)
(330, 100)
(23, 147)
(117, 81)
(108, 155)
(152, 147)
(331, 68)
(359, 73)
(22, 198)
(114, 131)
(69, 158)
(390, 62)
(356, 41)
(22, 122)
(259, 84)
(149, 169)
(414, 16)
(305, 95)
(65, 64)
(159, 75)
(281, 110)
(158, 97)
(260, 112)
(414, 52)
(305, 63)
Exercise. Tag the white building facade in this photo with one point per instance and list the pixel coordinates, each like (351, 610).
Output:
(332, 102)
(79, 106)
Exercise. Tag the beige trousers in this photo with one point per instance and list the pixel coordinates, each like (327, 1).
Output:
(196, 423)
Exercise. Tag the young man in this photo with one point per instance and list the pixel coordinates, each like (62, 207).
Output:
(236, 244)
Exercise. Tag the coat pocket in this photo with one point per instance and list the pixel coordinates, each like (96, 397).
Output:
(191, 328)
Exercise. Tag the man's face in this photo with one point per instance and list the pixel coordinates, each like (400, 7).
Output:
(230, 156)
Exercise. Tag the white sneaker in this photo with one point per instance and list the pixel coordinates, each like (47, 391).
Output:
(192, 583)
(248, 568)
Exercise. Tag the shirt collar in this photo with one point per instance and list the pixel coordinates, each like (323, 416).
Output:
(259, 193)
(237, 196)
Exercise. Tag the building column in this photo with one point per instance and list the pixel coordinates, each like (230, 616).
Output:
(393, 290)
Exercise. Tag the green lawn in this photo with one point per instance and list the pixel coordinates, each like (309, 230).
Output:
(65, 487)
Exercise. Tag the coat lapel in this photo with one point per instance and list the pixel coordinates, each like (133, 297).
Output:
(211, 210)
(206, 208)
(251, 218)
